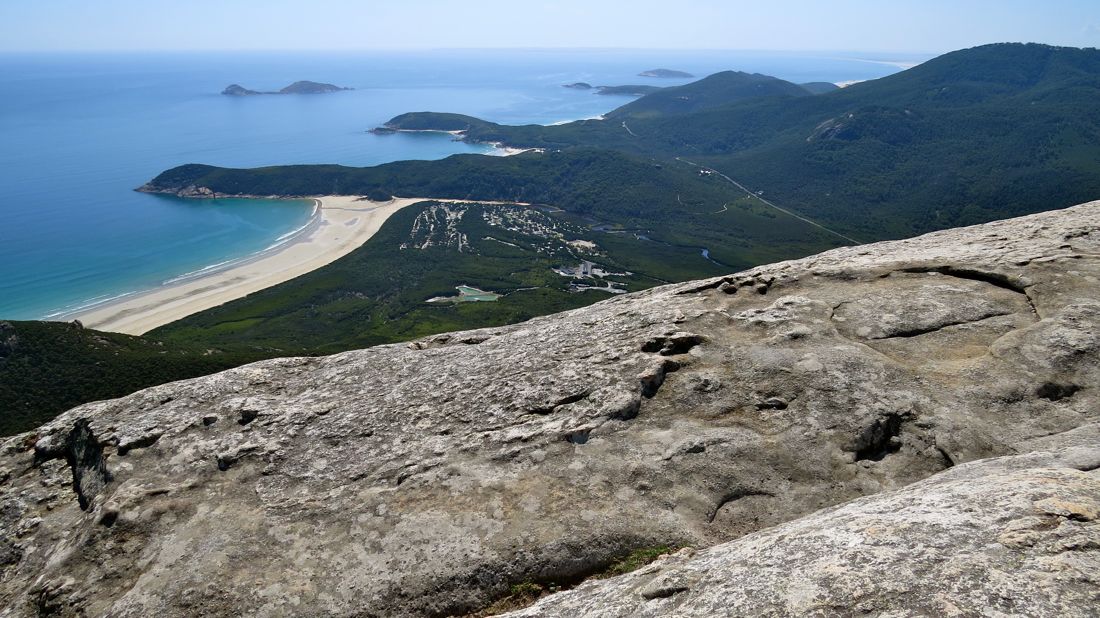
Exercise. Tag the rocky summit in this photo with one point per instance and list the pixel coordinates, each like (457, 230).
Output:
(434, 477)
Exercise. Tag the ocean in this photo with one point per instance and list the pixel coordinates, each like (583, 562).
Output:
(81, 131)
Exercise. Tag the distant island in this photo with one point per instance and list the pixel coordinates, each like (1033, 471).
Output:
(630, 90)
(301, 87)
(667, 73)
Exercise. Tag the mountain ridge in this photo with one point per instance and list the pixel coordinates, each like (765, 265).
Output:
(716, 90)
(987, 132)
(665, 73)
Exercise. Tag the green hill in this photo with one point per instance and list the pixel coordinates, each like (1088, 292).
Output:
(584, 181)
(717, 90)
(430, 121)
(974, 135)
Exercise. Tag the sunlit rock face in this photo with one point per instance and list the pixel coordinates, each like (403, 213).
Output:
(1009, 536)
(427, 478)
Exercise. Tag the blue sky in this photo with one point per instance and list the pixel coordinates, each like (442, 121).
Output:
(860, 25)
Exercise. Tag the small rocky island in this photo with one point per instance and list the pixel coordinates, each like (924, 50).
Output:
(665, 73)
(300, 87)
(578, 86)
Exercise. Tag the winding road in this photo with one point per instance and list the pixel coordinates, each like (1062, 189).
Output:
(757, 196)
(779, 208)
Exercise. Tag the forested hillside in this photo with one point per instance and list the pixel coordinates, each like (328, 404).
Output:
(974, 135)
(49, 367)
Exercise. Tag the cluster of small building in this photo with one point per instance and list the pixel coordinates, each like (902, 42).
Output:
(591, 270)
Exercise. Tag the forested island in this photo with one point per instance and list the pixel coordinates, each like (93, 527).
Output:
(665, 73)
(299, 87)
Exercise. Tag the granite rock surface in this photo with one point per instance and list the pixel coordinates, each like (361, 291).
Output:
(1010, 536)
(427, 478)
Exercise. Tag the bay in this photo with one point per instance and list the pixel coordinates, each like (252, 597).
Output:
(81, 131)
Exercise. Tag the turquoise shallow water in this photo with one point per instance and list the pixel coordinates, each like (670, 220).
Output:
(81, 131)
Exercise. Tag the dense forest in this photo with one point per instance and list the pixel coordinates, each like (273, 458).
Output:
(49, 367)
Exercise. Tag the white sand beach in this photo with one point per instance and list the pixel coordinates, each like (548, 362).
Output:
(340, 225)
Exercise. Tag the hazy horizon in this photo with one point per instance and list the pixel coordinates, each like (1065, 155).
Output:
(907, 27)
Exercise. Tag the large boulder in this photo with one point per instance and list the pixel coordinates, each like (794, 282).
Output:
(428, 478)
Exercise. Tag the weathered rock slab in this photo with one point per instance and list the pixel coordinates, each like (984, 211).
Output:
(1012, 536)
(427, 478)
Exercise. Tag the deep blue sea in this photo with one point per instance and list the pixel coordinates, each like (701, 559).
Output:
(80, 132)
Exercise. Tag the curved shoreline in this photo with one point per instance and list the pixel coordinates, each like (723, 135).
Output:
(340, 225)
(280, 242)
(93, 305)
(500, 149)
